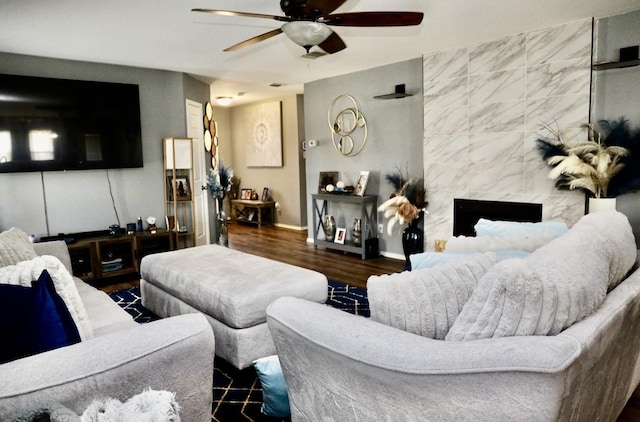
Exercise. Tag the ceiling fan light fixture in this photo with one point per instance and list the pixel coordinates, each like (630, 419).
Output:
(223, 101)
(306, 33)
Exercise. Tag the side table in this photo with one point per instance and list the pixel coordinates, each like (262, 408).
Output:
(260, 213)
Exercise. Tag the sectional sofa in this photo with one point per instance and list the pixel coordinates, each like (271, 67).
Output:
(550, 336)
(118, 358)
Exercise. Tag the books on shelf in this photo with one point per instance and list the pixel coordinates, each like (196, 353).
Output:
(112, 265)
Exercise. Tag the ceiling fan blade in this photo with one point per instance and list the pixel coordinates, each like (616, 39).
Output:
(318, 8)
(254, 40)
(244, 14)
(333, 44)
(374, 19)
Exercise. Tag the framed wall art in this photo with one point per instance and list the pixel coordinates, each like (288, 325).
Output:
(264, 137)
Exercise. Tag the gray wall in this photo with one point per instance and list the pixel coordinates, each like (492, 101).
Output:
(394, 136)
(616, 91)
(80, 200)
(283, 182)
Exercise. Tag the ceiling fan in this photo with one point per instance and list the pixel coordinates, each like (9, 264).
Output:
(307, 23)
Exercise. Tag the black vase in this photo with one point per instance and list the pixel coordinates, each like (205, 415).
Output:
(412, 241)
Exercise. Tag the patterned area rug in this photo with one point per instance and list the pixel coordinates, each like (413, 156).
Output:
(237, 395)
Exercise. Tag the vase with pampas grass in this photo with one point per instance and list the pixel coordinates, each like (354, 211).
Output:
(603, 166)
(406, 205)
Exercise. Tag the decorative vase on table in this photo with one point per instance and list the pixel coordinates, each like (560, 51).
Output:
(412, 241)
(329, 227)
(221, 221)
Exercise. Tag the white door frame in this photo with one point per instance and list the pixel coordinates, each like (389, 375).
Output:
(195, 130)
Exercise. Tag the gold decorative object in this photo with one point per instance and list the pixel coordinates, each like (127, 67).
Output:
(345, 124)
(440, 245)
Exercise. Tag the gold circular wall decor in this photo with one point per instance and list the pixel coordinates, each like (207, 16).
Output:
(208, 110)
(207, 140)
(347, 122)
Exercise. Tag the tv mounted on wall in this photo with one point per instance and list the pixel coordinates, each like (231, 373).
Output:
(60, 124)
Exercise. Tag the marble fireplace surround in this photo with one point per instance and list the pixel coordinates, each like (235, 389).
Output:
(484, 107)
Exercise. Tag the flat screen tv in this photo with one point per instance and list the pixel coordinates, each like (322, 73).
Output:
(60, 124)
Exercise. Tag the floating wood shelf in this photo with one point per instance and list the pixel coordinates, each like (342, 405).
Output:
(615, 65)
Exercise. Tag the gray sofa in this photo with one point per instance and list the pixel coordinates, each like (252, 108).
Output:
(343, 367)
(121, 360)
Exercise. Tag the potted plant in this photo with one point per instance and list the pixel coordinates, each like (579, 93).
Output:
(602, 165)
(219, 183)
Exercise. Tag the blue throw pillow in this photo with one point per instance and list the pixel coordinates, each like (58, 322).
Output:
(492, 228)
(429, 259)
(275, 399)
(34, 320)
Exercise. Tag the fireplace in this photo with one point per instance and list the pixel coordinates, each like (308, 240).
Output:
(467, 212)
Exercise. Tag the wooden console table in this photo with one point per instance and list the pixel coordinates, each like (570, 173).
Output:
(254, 212)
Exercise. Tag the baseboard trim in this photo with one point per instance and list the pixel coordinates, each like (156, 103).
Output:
(392, 255)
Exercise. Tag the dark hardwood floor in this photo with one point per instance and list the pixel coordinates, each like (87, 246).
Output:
(291, 246)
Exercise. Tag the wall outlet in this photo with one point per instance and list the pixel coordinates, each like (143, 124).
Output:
(380, 228)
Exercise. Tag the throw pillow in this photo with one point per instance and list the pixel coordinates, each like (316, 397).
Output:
(498, 228)
(492, 243)
(15, 247)
(426, 301)
(34, 320)
(556, 286)
(23, 273)
(429, 259)
(619, 244)
(150, 405)
(275, 398)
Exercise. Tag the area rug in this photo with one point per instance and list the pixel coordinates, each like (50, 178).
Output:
(237, 394)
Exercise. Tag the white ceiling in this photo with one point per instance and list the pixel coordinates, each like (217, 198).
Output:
(165, 34)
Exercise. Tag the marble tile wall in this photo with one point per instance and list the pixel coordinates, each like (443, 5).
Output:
(484, 107)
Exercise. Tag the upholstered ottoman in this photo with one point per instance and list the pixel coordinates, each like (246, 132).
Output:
(232, 289)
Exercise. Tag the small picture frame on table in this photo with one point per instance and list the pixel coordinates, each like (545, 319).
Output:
(361, 185)
(327, 178)
(265, 195)
(245, 194)
(341, 234)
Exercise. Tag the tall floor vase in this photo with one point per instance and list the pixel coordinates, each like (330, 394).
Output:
(412, 241)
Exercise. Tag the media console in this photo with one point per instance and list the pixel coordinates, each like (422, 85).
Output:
(97, 255)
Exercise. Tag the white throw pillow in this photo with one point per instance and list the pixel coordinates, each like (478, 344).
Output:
(23, 274)
(15, 247)
(491, 243)
(499, 228)
(426, 301)
(429, 259)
